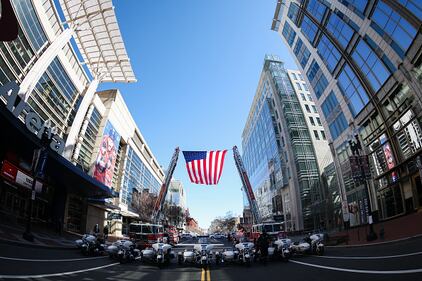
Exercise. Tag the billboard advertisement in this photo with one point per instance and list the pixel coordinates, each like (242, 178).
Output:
(107, 154)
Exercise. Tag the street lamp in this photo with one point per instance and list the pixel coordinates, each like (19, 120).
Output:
(38, 167)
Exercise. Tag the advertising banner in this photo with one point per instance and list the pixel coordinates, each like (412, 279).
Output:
(106, 159)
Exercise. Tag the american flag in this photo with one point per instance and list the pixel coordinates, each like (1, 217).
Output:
(205, 167)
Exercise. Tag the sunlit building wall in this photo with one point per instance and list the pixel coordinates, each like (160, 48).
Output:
(363, 62)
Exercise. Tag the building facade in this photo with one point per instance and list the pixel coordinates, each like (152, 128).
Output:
(278, 152)
(109, 132)
(363, 62)
(48, 78)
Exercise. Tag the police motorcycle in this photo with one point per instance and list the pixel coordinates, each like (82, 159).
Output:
(309, 245)
(282, 249)
(90, 245)
(203, 253)
(187, 256)
(127, 251)
(113, 249)
(159, 253)
(245, 252)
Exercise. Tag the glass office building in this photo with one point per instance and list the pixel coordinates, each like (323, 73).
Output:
(278, 152)
(363, 62)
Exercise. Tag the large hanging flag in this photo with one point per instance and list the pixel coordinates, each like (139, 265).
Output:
(205, 167)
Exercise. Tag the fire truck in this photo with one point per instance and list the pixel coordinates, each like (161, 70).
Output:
(145, 234)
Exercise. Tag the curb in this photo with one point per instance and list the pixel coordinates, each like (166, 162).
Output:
(378, 243)
(31, 245)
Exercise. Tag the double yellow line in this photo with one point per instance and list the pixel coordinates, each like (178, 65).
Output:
(205, 274)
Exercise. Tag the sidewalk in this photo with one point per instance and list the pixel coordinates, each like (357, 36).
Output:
(396, 229)
(13, 234)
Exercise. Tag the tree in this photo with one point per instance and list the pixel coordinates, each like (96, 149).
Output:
(143, 204)
(226, 223)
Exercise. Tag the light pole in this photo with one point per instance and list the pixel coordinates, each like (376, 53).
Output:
(38, 167)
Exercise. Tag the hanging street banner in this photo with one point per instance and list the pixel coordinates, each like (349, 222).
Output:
(205, 167)
(107, 154)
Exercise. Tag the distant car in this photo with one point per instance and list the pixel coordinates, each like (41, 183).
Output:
(185, 236)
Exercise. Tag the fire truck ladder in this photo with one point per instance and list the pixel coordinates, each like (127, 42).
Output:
(158, 207)
(247, 186)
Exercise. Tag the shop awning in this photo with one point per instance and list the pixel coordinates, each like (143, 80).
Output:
(99, 39)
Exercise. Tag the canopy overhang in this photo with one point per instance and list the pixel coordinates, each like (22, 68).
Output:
(98, 38)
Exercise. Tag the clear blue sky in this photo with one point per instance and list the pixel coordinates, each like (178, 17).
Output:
(197, 64)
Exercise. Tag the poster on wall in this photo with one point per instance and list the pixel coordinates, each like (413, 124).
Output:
(106, 159)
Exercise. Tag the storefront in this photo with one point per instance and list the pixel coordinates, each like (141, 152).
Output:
(60, 198)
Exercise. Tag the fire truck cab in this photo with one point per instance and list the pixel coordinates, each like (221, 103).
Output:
(273, 229)
(145, 234)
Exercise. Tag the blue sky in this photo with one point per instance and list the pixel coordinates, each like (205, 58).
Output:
(197, 64)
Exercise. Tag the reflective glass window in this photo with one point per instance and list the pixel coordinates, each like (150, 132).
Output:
(390, 22)
(28, 17)
(323, 135)
(305, 87)
(358, 5)
(414, 6)
(370, 65)
(352, 89)
(316, 9)
(312, 121)
(328, 52)
(302, 53)
(288, 33)
(317, 78)
(338, 126)
(340, 30)
(309, 29)
(329, 104)
(293, 11)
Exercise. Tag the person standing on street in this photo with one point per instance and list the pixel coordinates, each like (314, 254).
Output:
(105, 231)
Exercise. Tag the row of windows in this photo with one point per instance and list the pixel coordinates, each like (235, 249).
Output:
(302, 53)
(329, 105)
(288, 33)
(328, 53)
(308, 109)
(297, 76)
(301, 86)
(311, 119)
(340, 30)
(316, 9)
(302, 95)
(323, 137)
(309, 29)
(338, 126)
(317, 79)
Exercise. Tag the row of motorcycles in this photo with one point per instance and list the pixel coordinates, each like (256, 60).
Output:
(203, 253)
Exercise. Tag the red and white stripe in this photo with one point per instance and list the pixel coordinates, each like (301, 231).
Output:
(208, 170)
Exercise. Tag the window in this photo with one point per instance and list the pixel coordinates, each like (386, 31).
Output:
(317, 79)
(358, 6)
(293, 11)
(288, 33)
(329, 104)
(309, 29)
(307, 108)
(314, 109)
(316, 9)
(300, 76)
(338, 126)
(302, 95)
(371, 66)
(352, 90)
(318, 121)
(312, 120)
(316, 134)
(323, 135)
(309, 97)
(414, 6)
(298, 86)
(399, 29)
(328, 52)
(305, 87)
(339, 30)
(302, 53)
(293, 75)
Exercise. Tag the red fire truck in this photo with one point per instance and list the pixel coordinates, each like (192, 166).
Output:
(273, 229)
(145, 234)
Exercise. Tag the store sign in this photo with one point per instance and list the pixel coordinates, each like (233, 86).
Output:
(32, 120)
(114, 216)
(14, 175)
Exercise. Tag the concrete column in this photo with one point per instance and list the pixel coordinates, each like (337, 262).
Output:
(34, 75)
(72, 138)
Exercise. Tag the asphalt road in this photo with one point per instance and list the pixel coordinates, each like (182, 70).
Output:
(394, 261)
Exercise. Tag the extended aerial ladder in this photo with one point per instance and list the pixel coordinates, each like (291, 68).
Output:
(247, 186)
(159, 203)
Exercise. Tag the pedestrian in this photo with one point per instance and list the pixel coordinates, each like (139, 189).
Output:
(60, 226)
(96, 229)
(105, 231)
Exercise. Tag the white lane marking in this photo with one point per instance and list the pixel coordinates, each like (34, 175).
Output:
(57, 274)
(404, 271)
(55, 260)
(370, 258)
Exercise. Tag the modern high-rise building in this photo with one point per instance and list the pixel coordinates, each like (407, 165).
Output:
(279, 153)
(363, 62)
